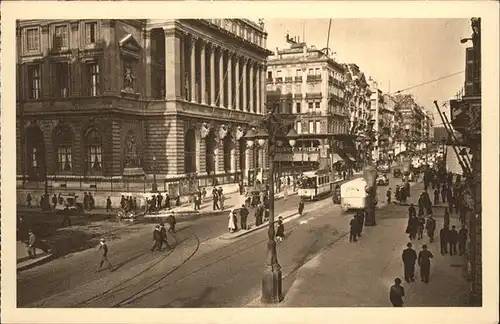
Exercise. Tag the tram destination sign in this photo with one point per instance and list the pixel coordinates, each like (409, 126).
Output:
(298, 149)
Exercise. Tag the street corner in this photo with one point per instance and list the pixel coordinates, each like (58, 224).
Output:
(26, 264)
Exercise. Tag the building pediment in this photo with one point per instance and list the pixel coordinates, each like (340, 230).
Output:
(130, 46)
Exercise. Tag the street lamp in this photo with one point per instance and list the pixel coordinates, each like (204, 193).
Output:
(369, 175)
(45, 204)
(273, 129)
(154, 188)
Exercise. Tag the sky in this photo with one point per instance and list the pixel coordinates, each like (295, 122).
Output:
(397, 53)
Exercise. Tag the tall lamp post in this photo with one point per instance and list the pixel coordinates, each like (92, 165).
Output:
(46, 202)
(154, 188)
(369, 175)
(273, 129)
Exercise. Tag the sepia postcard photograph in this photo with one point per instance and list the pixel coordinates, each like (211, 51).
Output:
(249, 162)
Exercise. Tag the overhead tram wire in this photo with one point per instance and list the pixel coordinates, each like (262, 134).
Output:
(428, 82)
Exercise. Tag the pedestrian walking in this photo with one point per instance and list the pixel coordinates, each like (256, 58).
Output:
(103, 248)
(231, 225)
(285, 192)
(449, 198)
(215, 204)
(301, 206)
(31, 244)
(54, 201)
(398, 194)
(462, 239)
(354, 224)
(409, 257)
(108, 204)
(443, 239)
(436, 196)
(122, 202)
(280, 232)
(171, 221)
(389, 195)
(259, 214)
(412, 227)
(159, 200)
(157, 240)
(360, 216)
(430, 226)
(243, 217)
(452, 240)
(421, 226)
(221, 200)
(424, 262)
(411, 211)
(446, 217)
(396, 293)
(163, 236)
(444, 190)
(28, 200)
(91, 202)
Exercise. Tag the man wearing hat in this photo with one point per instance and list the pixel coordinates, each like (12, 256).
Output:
(156, 239)
(103, 248)
(163, 236)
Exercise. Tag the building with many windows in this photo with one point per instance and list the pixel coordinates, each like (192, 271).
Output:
(113, 100)
(308, 87)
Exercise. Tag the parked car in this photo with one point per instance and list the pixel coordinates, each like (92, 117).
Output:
(382, 180)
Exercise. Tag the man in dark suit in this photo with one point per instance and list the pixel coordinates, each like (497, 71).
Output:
(396, 293)
(409, 257)
(103, 248)
(452, 240)
(424, 262)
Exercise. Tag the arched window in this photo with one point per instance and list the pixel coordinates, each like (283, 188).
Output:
(63, 144)
(211, 144)
(93, 150)
(227, 146)
(35, 155)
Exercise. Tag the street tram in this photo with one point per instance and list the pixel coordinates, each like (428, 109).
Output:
(315, 184)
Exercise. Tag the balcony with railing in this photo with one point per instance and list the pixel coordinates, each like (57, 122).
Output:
(269, 80)
(288, 79)
(278, 80)
(298, 79)
(313, 78)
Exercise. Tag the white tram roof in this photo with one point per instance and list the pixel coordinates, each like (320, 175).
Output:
(354, 183)
(312, 174)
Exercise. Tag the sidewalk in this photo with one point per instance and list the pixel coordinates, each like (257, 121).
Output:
(23, 260)
(360, 274)
(232, 200)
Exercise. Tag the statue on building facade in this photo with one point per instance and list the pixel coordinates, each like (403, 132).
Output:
(132, 158)
(128, 77)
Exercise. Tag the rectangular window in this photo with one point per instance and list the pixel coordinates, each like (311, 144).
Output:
(269, 74)
(317, 104)
(297, 107)
(61, 37)
(93, 78)
(298, 72)
(34, 81)
(318, 71)
(311, 72)
(90, 33)
(95, 158)
(318, 126)
(278, 73)
(289, 108)
(64, 161)
(311, 106)
(299, 127)
(311, 127)
(61, 80)
(32, 39)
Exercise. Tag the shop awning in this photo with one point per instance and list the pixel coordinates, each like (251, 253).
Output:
(336, 158)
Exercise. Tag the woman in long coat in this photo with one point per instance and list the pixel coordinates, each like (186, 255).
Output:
(231, 224)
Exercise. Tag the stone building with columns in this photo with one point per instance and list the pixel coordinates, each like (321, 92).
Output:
(126, 99)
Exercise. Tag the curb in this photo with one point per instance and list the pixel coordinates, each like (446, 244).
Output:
(241, 233)
(40, 261)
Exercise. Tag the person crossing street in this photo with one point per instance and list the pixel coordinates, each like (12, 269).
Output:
(409, 257)
(103, 248)
(424, 262)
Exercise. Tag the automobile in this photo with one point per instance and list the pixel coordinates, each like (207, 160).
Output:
(69, 204)
(396, 173)
(382, 180)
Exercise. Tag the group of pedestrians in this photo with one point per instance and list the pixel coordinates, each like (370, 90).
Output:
(218, 198)
(402, 193)
(356, 226)
(449, 238)
(160, 237)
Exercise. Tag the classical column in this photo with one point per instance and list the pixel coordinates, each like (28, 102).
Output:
(222, 76)
(193, 70)
(262, 90)
(244, 86)
(147, 83)
(233, 159)
(198, 140)
(203, 76)
(218, 151)
(257, 89)
(212, 75)
(238, 83)
(229, 80)
(173, 64)
(247, 163)
(252, 83)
